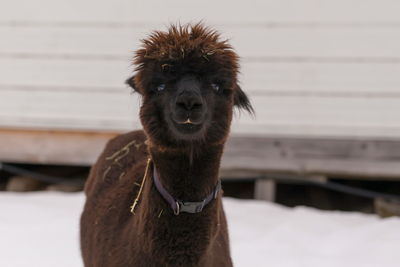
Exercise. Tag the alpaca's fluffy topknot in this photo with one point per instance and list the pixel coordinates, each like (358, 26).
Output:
(182, 42)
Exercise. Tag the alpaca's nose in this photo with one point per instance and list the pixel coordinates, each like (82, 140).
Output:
(189, 102)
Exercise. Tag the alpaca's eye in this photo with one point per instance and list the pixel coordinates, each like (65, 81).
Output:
(215, 86)
(161, 87)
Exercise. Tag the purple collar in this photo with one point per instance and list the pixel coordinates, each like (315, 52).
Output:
(179, 206)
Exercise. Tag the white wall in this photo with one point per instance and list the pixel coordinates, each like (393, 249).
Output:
(311, 67)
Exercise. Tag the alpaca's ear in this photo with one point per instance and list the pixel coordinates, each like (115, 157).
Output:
(131, 83)
(241, 101)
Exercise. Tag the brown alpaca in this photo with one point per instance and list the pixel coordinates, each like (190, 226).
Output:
(187, 78)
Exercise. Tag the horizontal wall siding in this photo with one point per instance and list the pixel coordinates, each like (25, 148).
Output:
(260, 11)
(68, 110)
(252, 43)
(311, 68)
(275, 114)
(257, 77)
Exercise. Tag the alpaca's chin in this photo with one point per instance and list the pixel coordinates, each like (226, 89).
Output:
(188, 131)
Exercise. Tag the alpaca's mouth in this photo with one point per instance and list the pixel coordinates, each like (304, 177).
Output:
(186, 129)
(188, 121)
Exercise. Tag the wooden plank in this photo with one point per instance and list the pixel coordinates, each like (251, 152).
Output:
(343, 158)
(52, 147)
(321, 116)
(115, 41)
(68, 110)
(326, 111)
(165, 11)
(317, 43)
(347, 158)
(322, 79)
(250, 42)
(267, 77)
(75, 104)
(313, 130)
(105, 74)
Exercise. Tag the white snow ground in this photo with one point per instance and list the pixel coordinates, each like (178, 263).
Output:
(41, 230)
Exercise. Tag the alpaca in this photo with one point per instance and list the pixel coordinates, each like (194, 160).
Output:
(153, 197)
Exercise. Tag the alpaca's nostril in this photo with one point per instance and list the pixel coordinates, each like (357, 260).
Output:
(197, 105)
(181, 105)
(189, 103)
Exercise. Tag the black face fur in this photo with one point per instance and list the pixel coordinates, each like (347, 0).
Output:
(188, 80)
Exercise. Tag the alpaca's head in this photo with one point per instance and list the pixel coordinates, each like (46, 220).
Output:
(187, 77)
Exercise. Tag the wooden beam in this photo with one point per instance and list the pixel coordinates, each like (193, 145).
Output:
(51, 147)
(265, 190)
(244, 155)
(342, 158)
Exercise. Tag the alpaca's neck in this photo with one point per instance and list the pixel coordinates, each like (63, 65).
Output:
(187, 176)
(188, 235)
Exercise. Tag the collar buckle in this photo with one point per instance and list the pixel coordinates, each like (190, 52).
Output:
(189, 207)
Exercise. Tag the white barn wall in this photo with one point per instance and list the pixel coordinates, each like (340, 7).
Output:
(312, 68)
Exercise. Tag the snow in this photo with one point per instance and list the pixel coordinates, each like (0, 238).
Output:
(41, 230)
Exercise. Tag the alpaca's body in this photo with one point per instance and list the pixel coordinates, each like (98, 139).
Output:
(153, 236)
(187, 78)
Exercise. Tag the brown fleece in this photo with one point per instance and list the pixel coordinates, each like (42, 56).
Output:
(111, 236)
